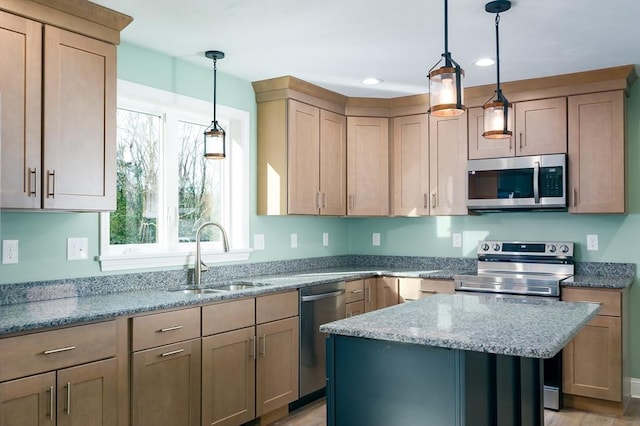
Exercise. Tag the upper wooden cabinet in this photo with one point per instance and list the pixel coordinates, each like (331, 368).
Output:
(58, 105)
(597, 153)
(301, 159)
(447, 165)
(540, 127)
(367, 166)
(410, 166)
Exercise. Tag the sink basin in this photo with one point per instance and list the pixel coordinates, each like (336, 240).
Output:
(201, 290)
(234, 287)
(221, 289)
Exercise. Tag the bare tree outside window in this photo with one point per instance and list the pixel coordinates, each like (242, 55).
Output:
(138, 151)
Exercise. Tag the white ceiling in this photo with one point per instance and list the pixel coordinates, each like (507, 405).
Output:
(337, 43)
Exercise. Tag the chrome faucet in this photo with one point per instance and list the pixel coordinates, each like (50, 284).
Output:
(199, 266)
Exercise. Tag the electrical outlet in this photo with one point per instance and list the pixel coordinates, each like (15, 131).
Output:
(375, 239)
(258, 242)
(9, 251)
(77, 248)
(457, 239)
(325, 239)
(592, 242)
(294, 240)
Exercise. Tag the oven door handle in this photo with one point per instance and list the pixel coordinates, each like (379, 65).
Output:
(536, 184)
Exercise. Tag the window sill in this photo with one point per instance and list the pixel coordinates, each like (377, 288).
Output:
(159, 260)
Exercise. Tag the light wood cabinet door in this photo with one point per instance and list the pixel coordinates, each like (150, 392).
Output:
(481, 147)
(354, 308)
(409, 289)
(592, 361)
(229, 378)
(387, 292)
(541, 126)
(165, 385)
(303, 158)
(277, 364)
(333, 164)
(79, 138)
(448, 165)
(87, 394)
(410, 166)
(370, 294)
(367, 166)
(29, 401)
(20, 112)
(597, 153)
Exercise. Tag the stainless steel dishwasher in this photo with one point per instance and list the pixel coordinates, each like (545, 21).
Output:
(319, 305)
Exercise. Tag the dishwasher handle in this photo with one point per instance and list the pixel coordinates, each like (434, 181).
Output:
(321, 296)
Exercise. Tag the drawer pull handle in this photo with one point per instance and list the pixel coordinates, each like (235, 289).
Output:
(172, 352)
(175, 327)
(68, 399)
(51, 402)
(428, 291)
(356, 291)
(51, 184)
(32, 183)
(263, 347)
(55, 351)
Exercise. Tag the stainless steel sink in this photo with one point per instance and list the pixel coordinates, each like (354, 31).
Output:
(235, 287)
(221, 289)
(201, 290)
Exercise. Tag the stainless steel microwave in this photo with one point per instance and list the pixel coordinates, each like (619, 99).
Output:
(532, 182)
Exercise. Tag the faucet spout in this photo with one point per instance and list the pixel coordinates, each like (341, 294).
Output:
(199, 266)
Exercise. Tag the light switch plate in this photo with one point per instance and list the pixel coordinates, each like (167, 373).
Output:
(77, 248)
(325, 239)
(375, 239)
(457, 239)
(9, 251)
(258, 242)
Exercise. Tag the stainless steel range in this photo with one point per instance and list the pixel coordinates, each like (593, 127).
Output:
(522, 270)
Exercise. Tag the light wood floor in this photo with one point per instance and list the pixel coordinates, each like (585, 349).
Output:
(314, 414)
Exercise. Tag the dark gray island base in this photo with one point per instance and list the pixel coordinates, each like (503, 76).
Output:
(446, 360)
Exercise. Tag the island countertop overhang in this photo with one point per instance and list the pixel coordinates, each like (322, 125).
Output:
(533, 328)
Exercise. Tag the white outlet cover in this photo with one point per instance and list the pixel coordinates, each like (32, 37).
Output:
(77, 248)
(375, 239)
(294, 240)
(325, 239)
(457, 239)
(258, 242)
(9, 251)
(592, 242)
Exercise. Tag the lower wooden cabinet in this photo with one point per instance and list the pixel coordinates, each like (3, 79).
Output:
(81, 395)
(165, 385)
(417, 288)
(387, 292)
(595, 361)
(370, 294)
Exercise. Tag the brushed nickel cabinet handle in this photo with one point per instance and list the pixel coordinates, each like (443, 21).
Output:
(356, 291)
(68, 398)
(575, 197)
(351, 202)
(324, 200)
(263, 347)
(51, 402)
(253, 347)
(433, 200)
(428, 291)
(31, 183)
(175, 327)
(55, 351)
(177, 351)
(318, 200)
(51, 184)
(367, 294)
(521, 140)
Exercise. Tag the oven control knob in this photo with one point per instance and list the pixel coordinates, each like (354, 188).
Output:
(564, 248)
(484, 247)
(552, 249)
(496, 247)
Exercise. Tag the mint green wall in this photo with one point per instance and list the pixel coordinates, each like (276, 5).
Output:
(42, 235)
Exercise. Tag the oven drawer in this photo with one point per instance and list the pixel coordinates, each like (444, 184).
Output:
(611, 300)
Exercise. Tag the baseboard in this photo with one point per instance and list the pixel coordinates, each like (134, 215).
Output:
(635, 388)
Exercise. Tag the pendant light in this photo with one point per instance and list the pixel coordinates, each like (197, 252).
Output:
(214, 135)
(498, 112)
(445, 83)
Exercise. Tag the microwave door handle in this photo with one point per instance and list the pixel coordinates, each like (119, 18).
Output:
(536, 186)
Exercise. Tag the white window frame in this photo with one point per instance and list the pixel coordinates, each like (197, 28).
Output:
(172, 108)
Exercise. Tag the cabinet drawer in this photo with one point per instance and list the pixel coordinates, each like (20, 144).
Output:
(228, 316)
(354, 308)
(276, 306)
(611, 300)
(354, 290)
(51, 350)
(167, 327)
(429, 287)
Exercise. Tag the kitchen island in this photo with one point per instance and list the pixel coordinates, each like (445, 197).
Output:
(447, 360)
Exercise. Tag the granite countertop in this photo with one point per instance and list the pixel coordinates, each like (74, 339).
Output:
(598, 281)
(69, 307)
(474, 323)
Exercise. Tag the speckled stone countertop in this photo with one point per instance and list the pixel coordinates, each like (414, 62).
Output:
(474, 323)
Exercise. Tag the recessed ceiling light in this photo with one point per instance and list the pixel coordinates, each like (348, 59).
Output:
(371, 81)
(485, 62)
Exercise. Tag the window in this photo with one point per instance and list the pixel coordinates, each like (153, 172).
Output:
(166, 188)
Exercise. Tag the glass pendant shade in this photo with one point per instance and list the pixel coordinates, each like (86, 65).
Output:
(497, 123)
(214, 142)
(446, 97)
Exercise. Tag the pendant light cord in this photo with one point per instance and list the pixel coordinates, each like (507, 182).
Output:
(214, 93)
(498, 53)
